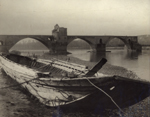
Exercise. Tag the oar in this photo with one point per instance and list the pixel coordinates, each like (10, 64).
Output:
(97, 67)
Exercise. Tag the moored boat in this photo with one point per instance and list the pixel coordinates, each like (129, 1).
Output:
(60, 83)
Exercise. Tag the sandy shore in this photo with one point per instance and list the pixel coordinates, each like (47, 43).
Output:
(15, 102)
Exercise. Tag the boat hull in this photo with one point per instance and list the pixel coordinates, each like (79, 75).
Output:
(85, 92)
(124, 95)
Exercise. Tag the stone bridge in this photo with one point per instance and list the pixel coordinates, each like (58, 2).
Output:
(58, 41)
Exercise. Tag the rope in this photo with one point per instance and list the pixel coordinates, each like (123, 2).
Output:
(43, 66)
(19, 84)
(106, 95)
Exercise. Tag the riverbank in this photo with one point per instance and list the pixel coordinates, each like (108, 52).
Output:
(15, 102)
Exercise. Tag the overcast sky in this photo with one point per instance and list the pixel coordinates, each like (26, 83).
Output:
(80, 17)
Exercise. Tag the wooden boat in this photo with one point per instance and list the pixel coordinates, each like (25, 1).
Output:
(60, 83)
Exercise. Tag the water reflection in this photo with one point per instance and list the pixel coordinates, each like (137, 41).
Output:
(132, 54)
(94, 57)
(88, 55)
(111, 54)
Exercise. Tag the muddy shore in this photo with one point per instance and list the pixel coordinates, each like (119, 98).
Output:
(16, 102)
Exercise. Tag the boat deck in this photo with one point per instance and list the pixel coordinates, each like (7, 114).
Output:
(49, 68)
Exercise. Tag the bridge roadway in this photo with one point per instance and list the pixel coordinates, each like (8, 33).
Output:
(58, 41)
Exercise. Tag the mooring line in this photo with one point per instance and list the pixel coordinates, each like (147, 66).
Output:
(19, 83)
(106, 95)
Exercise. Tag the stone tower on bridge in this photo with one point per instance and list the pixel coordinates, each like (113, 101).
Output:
(58, 43)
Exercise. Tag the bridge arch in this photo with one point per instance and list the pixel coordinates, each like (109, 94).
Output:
(30, 38)
(43, 42)
(89, 42)
(126, 41)
(84, 39)
(78, 42)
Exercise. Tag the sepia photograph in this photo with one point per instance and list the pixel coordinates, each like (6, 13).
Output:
(74, 58)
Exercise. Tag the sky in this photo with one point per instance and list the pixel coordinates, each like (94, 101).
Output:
(80, 17)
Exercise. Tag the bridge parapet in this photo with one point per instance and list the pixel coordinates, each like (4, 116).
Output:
(58, 41)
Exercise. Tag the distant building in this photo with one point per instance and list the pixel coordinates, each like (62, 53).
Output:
(59, 33)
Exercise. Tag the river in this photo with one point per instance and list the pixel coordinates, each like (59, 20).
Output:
(136, 62)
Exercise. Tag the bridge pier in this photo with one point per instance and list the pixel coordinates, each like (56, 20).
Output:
(134, 45)
(98, 48)
(137, 47)
(58, 48)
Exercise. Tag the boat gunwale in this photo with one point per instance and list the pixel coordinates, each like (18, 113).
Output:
(75, 78)
(19, 64)
(37, 71)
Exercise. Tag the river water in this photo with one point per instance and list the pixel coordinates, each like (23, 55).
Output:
(136, 62)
